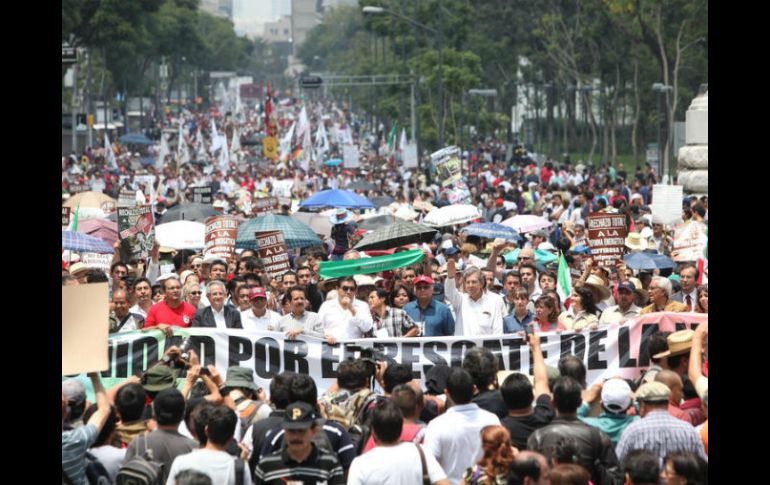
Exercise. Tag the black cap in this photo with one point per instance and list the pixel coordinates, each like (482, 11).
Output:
(299, 415)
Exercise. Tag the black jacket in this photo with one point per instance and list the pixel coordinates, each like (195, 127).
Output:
(594, 449)
(204, 317)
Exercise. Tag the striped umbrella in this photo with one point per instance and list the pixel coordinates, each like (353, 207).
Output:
(397, 234)
(296, 233)
(77, 241)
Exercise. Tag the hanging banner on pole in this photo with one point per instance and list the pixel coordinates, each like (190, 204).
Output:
(410, 155)
(606, 237)
(447, 164)
(272, 248)
(221, 233)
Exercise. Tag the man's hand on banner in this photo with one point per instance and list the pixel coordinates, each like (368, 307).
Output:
(292, 334)
(331, 340)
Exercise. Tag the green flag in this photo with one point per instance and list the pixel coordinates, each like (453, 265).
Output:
(564, 287)
(337, 269)
(74, 223)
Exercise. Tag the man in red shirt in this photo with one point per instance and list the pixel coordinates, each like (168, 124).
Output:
(172, 311)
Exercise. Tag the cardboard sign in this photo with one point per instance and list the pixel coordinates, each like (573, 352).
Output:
(127, 198)
(447, 165)
(350, 156)
(667, 204)
(97, 261)
(84, 315)
(606, 237)
(78, 188)
(201, 195)
(265, 205)
(282, 188)
(136, 229)
(221, 233)
(271, 247)
(410, 155)
(65, 216)
(689, 241)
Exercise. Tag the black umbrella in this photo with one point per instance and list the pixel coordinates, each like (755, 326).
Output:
(381, 200)
(398, 234)
(375, 222)
(360, 185)
(188, 212)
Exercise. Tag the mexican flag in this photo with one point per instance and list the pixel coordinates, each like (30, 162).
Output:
(564, 285)
(74, 222)
(392, 143)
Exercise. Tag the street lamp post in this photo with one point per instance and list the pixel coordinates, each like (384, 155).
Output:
(440, 44)
(659, 89)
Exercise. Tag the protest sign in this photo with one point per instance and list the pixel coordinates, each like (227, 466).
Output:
(136, 229)
(690, 240)
(667, 204)
(410, 155)
(447, 164)
(606, 237)
(78, 188)
(202, 195)
(221, 233)
(271, 247)
(127, 198)
(65, 217)
(270, 147)
(97, 261)
(264, 205)
(282, 188)
(84, 315)
(350, 156)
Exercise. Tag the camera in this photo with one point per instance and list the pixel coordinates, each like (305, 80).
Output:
(185, 348)
(205, 371)
(184, 354)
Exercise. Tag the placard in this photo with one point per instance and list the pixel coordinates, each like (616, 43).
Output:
(271, 247)
(606, 237)
(202, 195)
(127, 198)
(97, 261)
(265, 205)
(84, 330)
(78, 188)
(447, 165)
(65, 217)
(282, 188)
(221, 234)
(410, 155)
(136, 229)
(689, 241)
(667, 204)
(350, 156)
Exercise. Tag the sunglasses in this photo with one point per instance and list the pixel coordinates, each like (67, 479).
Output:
(347, 288)
(195, 293)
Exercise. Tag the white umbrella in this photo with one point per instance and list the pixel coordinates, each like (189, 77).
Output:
(452, 214)
(405, 213)
(181, 234)
(318, 223)
(526, 223)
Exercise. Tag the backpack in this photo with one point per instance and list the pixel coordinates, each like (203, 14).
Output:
(95, 471)
(247, 410)
(141, 470)
(348, 409)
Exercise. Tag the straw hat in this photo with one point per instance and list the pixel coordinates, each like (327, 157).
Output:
(597, 287)
(678, 343)
(635, 241)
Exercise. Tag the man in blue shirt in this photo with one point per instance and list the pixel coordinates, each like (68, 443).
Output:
(434, 317)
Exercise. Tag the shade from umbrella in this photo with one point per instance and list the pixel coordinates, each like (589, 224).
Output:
(541, 256)
(526, 223)
(189, 212)
(101, 228)
(376, 222)
(98, 200)
(77, 241)
(320, 224)
(296, 233)
(395, 235)
(337, 198)
(452, 214)
(135, 139)
(360, 185)
(181, 234)
(642, 260)
(492, 231)
(382, 200)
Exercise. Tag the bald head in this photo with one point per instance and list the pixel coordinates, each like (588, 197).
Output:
(120, 303)
(674, 382)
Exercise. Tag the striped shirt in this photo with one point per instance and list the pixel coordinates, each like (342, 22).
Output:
(278, 468)
(660, 433)
(395, 321)
(339, 439)
(74, 444)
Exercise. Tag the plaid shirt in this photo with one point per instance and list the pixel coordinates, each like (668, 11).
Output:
(660, 433)
(395, 320)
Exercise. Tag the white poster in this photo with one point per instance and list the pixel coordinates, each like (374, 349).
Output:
(282, 188)
(350, 156)
(689, 241)
(667, 204)
(410, 155)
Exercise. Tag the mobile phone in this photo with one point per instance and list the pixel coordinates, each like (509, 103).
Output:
(205, 371)
(528, 330)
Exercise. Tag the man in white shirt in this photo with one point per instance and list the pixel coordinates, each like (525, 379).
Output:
(346, 317)
(478, 312)
(259, 317)
(299, 321)
(142, 296)
(453, 438)
(392, 462)
(625, 309)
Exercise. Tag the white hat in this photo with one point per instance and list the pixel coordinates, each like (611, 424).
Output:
(166, 276)
(616, 395)
(547, 246)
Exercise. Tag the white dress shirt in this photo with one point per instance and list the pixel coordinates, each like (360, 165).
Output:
(342, 324)
(219, 317)
(268, 321)
(480, 317)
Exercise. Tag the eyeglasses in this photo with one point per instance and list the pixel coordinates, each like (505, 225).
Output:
(197, 265)
(195, 293)
(347, 288)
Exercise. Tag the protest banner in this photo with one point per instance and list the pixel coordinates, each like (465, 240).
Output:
(272, 248)
(78, 188)
(350, 156)
(201, 195)
(84, 313)
(127, 198)
(410, 155)
(65, 217)
(265, 205)
(97, 261)
(337, 269)
(690, 240)
(606, 352)
(447, 164)
(606, 237)
(282, 188)
(221, 233)
(136, 229)
(667, 204)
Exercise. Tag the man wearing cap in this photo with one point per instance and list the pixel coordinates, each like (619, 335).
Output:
(172, 311)
(165, 442)
(218, 315)
(300, 461)
(625, 309)
(658, 431)
(259, 317)
(248, 400)
(433, 317)
(615, 401)
(345, 316)
(660, 296)
(536, 238)
(673, 381)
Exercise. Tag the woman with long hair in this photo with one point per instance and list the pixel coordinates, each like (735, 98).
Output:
(400, 296)
(702, 305)
(547, 316)
(498, 454)
(582, 312)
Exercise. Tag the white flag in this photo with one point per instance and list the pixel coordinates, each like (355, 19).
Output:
(162, 152)
(200, 149)
(216, 143)
(285, 145)
(321, 140)
(182, 155)
(402, 143)
(235, 145)
(224, 155)
(109, 154)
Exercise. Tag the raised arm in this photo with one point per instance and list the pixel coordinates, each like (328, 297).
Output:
(540, 371)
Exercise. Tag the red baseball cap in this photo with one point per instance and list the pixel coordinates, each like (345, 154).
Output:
(499, 202)
(423, 279)
(257, 292)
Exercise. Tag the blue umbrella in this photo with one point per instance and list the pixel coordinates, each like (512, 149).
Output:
(297, 234)
(147, 161)
(492, 230)
(135, 139)
(640, 260)
(582, 249)
(334, 162)
(77, 241)
(337, 198)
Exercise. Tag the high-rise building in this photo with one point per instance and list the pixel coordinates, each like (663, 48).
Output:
(217, 8)
(304, 16)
